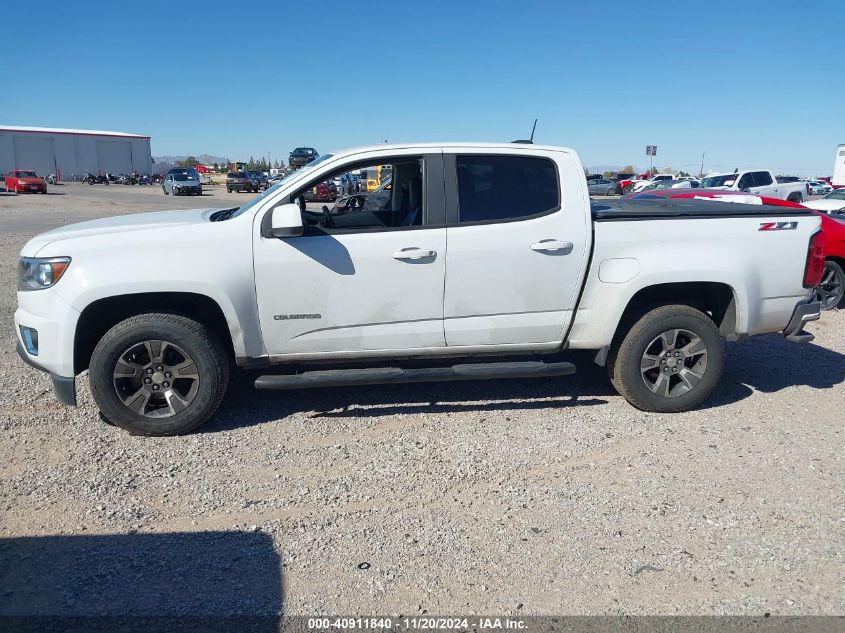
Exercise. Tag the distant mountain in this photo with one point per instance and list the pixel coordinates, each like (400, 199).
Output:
(205, 159)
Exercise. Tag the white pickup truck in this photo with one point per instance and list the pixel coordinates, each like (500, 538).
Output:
(760, 182)
(471, 253)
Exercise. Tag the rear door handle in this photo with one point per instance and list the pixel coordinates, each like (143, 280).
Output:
(551, 245)
(414, 253)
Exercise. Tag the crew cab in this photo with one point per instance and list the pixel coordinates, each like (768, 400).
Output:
(480, 261)
(759, 182)
(20, 180)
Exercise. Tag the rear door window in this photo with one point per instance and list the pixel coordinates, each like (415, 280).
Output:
(762, 179)
(505, 188)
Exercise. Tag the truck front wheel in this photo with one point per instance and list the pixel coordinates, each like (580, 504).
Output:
(158, 374)
(670, 360)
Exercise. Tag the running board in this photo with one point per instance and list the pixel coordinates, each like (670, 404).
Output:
(396, 375)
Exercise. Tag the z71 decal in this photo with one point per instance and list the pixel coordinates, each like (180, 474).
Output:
(778, 226)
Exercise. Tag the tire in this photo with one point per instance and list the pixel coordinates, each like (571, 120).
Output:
(228, 190)
(186, 347)
(832, 287)
(689, 380)
(165, 191)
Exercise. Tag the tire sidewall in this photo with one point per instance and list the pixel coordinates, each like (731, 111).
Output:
(632, 375)
(839, 275)
(119, 339)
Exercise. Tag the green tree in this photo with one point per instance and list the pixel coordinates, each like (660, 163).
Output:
(628, 169)
(190, 161)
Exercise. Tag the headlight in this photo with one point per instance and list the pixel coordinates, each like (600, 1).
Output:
(37, 273)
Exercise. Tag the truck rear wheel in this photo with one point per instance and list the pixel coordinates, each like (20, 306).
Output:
(670, 360)
(158, 374)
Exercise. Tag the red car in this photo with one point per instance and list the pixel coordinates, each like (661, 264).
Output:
(626, 182)
(832, 285)
(322, 192)
(20, 180)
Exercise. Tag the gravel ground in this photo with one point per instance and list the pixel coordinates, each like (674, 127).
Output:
(524, 497)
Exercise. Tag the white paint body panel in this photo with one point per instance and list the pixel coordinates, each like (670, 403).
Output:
(501, 291)
(365, 299)
(764, 269)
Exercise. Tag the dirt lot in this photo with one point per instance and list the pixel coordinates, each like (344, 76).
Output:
(541, 496)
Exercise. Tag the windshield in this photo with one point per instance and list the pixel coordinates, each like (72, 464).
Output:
(725, 180)
(27, 174)
(839, 194)
(182, 177)
(269, 192)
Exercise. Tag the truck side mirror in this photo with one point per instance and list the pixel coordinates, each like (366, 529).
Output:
(285, 221)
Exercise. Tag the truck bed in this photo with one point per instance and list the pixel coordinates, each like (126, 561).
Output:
(657, 207)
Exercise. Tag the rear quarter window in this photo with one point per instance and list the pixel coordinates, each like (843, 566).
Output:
(505, 188)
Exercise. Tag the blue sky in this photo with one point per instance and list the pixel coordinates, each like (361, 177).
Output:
(750, 83)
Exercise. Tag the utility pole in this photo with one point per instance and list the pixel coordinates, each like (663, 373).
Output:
(701, 169)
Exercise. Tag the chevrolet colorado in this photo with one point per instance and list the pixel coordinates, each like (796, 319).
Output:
(475, 253)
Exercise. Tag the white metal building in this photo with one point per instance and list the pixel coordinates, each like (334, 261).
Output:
(67, 152)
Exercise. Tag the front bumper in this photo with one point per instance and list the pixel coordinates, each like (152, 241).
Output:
(55, 338)
(804, 313)
(63, 388)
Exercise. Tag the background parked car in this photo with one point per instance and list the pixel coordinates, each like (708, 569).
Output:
(686, 183)
(831, 288)
(20, 180)
(834, 202)
(239, 181)
(302, 156)
(184, 170)
(322, 192)
(621, 177)
(261, 181)
(181, 185)
(818, 188)
(601, 187)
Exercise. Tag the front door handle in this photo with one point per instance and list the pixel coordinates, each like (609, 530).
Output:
(551, 245)
(414, 253)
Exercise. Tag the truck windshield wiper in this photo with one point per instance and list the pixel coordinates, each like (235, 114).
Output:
(223, 214)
